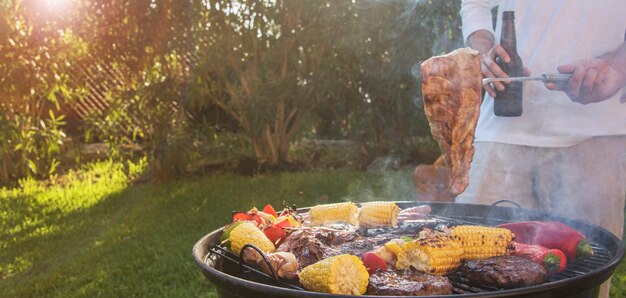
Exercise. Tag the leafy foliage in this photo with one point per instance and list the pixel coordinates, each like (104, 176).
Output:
(34, 58)
(268, 72)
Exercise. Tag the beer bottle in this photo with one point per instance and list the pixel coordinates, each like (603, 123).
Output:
(508, 103)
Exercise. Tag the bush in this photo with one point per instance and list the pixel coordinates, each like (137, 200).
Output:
(30, 145)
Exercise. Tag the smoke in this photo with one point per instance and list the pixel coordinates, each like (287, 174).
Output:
(389, 185)
(585, 181)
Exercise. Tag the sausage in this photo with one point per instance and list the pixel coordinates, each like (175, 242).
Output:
(413, 213)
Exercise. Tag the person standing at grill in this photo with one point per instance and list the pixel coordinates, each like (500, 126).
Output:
(566, 153)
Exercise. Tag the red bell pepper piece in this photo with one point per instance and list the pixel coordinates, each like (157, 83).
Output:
(373, 262)
(283, 223)
(243, 216)
(275, 234)
(553, 260)
(247, 216)
(270, 210)
(552, 234)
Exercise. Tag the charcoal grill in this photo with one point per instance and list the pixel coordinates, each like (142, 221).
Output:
(233, 279)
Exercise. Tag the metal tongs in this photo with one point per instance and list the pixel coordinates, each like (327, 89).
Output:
(546, 77)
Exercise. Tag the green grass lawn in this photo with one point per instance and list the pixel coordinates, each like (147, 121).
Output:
(92, 234)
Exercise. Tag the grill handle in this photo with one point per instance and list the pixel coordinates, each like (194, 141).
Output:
(504, 201)
(488, 211)
(258, 250)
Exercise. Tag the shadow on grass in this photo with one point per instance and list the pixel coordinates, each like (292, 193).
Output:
(138, 241)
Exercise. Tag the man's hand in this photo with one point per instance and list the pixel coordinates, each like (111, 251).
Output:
(483, 41)
(596, 79)
(592, 80)
(491, 69)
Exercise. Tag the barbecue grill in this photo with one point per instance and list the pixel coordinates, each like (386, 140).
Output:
(234, 279)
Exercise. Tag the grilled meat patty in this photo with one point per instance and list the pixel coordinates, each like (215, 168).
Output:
(407, 283)
(502, 272)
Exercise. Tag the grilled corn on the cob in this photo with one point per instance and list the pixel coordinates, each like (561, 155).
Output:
(481, 242)
(395, 246)
(330, 213)
(378, 214)
(246, 232)
(435, 253)
(342, 274)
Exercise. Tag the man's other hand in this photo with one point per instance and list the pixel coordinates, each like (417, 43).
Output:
(592, 80)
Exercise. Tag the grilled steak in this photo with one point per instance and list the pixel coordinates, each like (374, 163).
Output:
(315, 244)
(407, 283)
(307, 248)
(451, 85)
(312, 245)
(335, 237)
(358, 247)
(502, 272)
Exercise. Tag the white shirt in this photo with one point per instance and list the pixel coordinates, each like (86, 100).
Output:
(551, 33)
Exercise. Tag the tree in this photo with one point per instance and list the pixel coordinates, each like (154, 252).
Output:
(344, 69)
(278, 70)
(379, 55)
(251, 67)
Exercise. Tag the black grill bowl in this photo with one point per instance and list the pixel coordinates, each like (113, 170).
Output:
(579, 280)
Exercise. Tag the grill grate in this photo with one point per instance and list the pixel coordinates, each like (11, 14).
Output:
(231, 262)
(232, 265)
